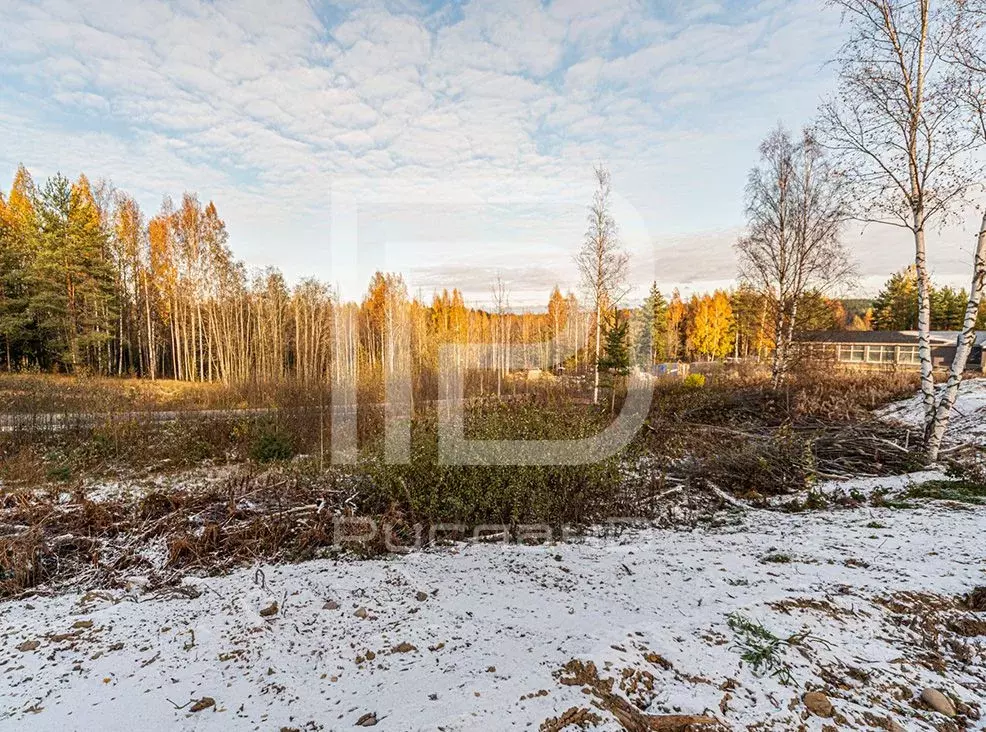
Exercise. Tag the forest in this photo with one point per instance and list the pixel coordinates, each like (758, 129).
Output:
(89, 285)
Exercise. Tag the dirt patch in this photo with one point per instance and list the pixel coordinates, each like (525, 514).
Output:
(628, 714)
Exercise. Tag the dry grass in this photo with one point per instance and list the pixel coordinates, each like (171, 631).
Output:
(733, 434)
(41, 393)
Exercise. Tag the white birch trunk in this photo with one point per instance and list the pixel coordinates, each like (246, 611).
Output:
(963, 348)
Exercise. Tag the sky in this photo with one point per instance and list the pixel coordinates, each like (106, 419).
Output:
(451, 142)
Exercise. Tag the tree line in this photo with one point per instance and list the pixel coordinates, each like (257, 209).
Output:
(91, 285)
(896, 306)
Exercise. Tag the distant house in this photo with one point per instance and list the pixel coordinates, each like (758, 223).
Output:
(888, 349)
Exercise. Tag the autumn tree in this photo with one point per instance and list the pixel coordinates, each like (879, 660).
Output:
(18, 247)
(674, 335)
(558, 313)
(710, 327)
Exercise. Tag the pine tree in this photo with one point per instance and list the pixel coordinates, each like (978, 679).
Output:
(72, 301)
(18, 247)
(896, 306)
(948, 308)
(616, 353)
(656, 314)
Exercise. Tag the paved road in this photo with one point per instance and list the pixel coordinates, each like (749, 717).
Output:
(63, 420)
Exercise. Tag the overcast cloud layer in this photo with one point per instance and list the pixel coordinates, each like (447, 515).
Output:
(461, 137)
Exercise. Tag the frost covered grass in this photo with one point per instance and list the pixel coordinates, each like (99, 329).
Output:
(751, 577)
(484, 636)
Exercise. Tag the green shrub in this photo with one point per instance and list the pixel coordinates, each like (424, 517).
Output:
(60, 473)
(764, 650)
(960, 491)
(429, 492)
(271, 444)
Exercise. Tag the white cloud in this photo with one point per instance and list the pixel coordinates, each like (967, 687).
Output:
(264, 108)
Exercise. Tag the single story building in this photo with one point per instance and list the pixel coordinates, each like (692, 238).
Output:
(887, 349)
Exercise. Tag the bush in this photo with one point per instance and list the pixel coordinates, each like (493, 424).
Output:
(428, 492)
(694, 381)
(271, 444)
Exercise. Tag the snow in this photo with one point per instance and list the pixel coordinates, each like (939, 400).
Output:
(968, 423)
(498, 622)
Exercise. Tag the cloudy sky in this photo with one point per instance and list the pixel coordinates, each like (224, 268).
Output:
(447, 141)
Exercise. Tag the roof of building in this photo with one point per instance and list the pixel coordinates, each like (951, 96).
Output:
(885, 337)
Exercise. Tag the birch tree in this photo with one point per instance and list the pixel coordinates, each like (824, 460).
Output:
(602, 263)
(795, 207)
(899, 125)
(967, 54)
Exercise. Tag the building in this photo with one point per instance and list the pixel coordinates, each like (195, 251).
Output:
(888, 349)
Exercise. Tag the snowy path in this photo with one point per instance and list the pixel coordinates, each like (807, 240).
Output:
(496, 624)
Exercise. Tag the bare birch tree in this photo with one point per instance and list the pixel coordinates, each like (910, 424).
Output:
(899, 125)
(602, 263)
(501, 332)
(967, 54)
(795, 206)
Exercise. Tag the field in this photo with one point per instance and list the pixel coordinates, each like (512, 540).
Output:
(751, 560)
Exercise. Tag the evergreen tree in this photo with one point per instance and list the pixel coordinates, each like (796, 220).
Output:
(616, 354)
(648, 329)
(751, 321)
(72, 281)
(896, 307)
(656, 308)
(18, 246)
(948, 308)
(816, 312)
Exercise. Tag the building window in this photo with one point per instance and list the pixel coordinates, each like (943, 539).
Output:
(908, 354)
(854, 354)
(880, 354)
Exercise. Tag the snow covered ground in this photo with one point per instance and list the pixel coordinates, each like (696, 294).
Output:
(863, 604)
(968, 422)
(473, 637)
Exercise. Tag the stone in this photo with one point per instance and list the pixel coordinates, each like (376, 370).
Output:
(367, 720)
(938, 701)
(818, 704)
